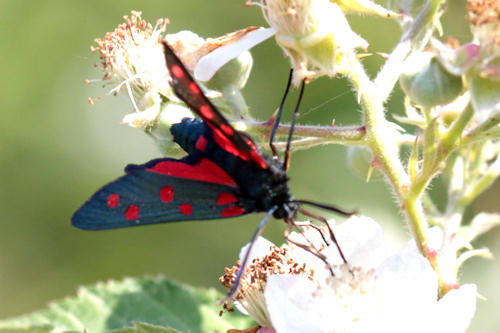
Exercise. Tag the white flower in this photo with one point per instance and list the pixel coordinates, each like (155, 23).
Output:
(383, 290)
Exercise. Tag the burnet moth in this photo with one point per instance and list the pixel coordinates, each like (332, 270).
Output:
(224, 175)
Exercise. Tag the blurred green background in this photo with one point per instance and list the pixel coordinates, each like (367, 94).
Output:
(56, 150)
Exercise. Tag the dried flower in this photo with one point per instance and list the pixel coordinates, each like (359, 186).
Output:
(132, 58)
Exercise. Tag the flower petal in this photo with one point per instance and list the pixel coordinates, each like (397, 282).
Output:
(455, 310)
(362, 242)
(260, 249)
(209, 64)
(406, 278)
(290, 303)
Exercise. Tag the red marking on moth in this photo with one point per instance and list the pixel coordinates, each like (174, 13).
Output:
(201, 143)
(113, 200)
(132, 212)
(186, 209)
(194, 88)
(453, 286)
(206, 111)
(205, 170)
(250, 143)
(226, 198)
(177, 71)
(167, 193)
(223, 142)
(258, 159)
(255, 155)
(232, 211)
(227, 129)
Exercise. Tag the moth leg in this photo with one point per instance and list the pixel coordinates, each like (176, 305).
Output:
(242, 268)
(311, 248)
(330, 231)
(308, 224)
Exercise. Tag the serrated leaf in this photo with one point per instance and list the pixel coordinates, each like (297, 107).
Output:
(132, 305)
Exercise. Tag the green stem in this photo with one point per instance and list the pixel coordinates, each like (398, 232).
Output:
(479, 131)
(381, 139)
(481, 184)
(349, 135)
(453, 135)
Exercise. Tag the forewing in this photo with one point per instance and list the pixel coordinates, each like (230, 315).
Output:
(163, 190)
(224, 134)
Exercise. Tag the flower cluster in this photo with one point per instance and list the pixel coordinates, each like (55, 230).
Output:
(382, 290)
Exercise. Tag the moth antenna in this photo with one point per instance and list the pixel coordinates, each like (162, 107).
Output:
(277, 117)
(286, 162)
(326, 207)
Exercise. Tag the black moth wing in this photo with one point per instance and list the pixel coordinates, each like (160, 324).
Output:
(191, 94)
(163, 190)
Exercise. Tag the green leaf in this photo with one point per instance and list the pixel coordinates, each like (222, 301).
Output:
(145, 328)
(132, 305)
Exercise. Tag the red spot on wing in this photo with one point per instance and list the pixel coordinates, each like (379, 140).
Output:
(227, 129)
(232, 211)
(177, 71)
(167, 193)
(250, 143)
(222, 141)
(113, 200)
(194, 88)
(226, 198)
(258, 159)
(205, 170)
(206, 111)
(132, 212)
(186, 209)
(201, 143)
(255, 156)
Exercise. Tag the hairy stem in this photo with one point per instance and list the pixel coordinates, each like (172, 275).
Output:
(381, 139)
(348, 135)
(478, 132)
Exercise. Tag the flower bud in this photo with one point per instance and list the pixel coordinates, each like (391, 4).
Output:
(427, 83)
(172, 113)
(234, 73)
(485, 94)
(315, 35)
(217, 62)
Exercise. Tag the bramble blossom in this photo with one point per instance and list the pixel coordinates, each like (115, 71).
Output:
(382, 290)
